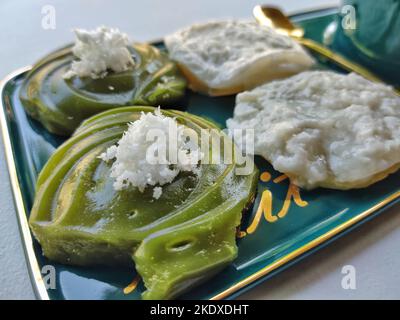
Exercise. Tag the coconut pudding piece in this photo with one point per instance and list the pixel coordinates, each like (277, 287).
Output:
(103, 70)
(324, 129)
(89, 212)
(226, 57)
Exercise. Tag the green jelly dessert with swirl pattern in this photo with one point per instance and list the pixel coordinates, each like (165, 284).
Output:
(175, 242)
(61, 103)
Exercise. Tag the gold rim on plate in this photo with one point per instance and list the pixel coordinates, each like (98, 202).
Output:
(33, 266)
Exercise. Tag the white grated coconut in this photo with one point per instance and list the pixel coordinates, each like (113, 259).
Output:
(98, 51)
(157, 192)
(142, 156)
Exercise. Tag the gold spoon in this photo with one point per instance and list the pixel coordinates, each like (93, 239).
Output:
(275, 18)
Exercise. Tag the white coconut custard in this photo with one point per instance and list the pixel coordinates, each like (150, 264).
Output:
(142, 156)
(98, 51)
(226, 57)
(324, 129)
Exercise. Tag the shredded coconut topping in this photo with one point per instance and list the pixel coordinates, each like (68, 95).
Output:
(98, 51)
(153, 151)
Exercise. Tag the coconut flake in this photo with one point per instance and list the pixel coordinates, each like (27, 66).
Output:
(157, 192)
(142, 158)
(98, 51)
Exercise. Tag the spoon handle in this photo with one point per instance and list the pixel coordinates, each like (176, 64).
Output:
(337, 58)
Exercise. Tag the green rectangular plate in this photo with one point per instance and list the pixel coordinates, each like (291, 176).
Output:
(281, 238)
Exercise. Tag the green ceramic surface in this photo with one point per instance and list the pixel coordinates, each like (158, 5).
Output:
(275, 238)
(375, 41)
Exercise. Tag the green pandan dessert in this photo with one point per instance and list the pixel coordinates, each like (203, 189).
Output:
(98, 203)
(102, 71)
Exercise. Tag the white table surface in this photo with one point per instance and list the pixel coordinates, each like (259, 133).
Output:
(373, 249)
